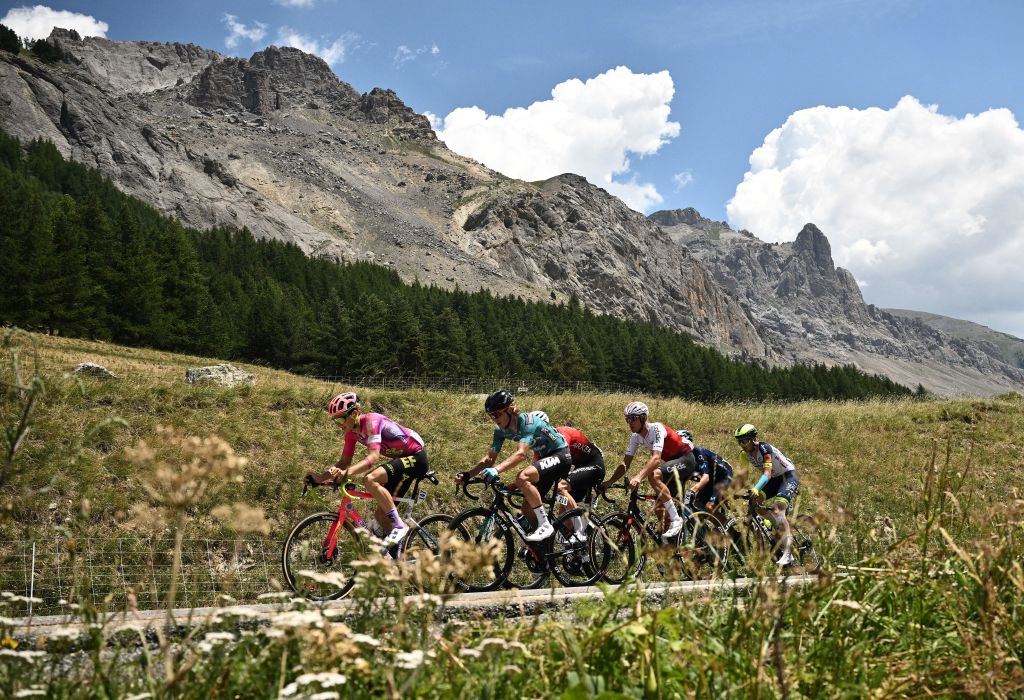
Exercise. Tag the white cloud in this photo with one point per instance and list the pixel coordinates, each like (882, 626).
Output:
(403, 54)
(589, 128)
(38, 21)
(926, 209)
(296, 3)
(682, 179)
(239, 31)
(333, 53)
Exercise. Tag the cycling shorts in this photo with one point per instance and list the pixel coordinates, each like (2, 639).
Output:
(586, 476)
(711, 492)
(678, 471)
(552, 468)
(782, 487)
(415, 466)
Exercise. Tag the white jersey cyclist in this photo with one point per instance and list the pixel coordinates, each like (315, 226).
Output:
(772, 455)
(659, 438)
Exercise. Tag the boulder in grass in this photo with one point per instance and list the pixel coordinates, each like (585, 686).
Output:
(91, 369)
(225, 375)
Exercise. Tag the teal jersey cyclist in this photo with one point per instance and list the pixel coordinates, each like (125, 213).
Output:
(532, 434)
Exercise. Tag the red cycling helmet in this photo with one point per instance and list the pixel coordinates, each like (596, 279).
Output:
(343, 404)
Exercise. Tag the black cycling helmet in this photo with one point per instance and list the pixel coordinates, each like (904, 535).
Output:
(499, 400)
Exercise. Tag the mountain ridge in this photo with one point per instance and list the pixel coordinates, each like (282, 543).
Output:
(279, 144)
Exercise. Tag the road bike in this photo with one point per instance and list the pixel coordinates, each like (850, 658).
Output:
(700, 547)
(756, 531)
(571, 559)
(319, 554)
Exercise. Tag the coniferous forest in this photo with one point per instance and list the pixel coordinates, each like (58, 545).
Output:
(83, 259)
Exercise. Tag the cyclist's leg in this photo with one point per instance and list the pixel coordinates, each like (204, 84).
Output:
(581, 481)
(549, 470)
(383, 481)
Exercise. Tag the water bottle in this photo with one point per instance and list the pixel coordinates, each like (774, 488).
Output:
(524, 522)
(767, 523)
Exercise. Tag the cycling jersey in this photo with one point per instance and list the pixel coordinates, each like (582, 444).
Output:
(767, 454)
(580, 447)
(712, 464)
(660, 438)
(533, 430)
(375, 429)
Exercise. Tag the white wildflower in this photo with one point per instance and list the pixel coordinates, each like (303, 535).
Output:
(20, 598)
(466, 651)
(139, 696)
(30, 692)
(326, 695)
(297, 618)
(324, 680)
(409, 659)
(365, 639)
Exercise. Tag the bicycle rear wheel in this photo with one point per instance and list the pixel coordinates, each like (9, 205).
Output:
(573, 562)
(420, 551)
(617, 549)
(480, 527)
(309, 570)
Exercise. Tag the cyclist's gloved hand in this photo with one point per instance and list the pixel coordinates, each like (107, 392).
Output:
(461, 477)
(490, 474)
(311, 479)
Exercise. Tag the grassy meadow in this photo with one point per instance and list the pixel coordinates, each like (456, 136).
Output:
(922, 495)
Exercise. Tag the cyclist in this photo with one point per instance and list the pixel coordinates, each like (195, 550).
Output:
(532, 432)
(380, 435)
(714, 475)
(778, 481)
(671, 463)
(587, 472)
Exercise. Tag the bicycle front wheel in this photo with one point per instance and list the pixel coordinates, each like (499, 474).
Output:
(617, 550)
(318, 564)
(704, 545)
(421, 551)
(804, 531)
(485, 560)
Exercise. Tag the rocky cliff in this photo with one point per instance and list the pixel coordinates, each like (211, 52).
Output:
(279, 144)
(806, 308)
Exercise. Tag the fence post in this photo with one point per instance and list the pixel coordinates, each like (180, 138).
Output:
(32, 580)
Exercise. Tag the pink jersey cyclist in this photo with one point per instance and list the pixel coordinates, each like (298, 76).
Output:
(375, 428)
(382, 437)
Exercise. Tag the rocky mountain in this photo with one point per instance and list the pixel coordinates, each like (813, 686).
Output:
(807, 309)
(1008, 347)
(279, 144)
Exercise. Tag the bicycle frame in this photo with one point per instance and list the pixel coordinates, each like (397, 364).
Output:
(346, 510)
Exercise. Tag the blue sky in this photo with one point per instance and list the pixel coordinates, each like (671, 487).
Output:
(820, 74)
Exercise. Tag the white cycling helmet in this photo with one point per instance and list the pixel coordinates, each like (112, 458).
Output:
(540, 414)
(635, 408)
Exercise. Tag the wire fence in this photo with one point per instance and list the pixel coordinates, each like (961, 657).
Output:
(484, 385)
(108, 573)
